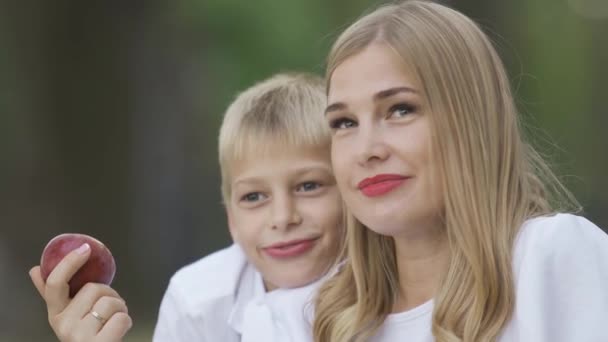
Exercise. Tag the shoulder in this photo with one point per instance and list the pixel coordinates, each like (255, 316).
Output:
(559, 235)
(560, 268)
(214, 278)
(560, 256)
(201, 297)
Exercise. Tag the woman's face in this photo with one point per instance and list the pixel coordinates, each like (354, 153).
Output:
(381, 140)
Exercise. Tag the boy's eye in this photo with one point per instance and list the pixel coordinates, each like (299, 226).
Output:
(400, 110)
(252, 197)
(341, 123)
(308, 186)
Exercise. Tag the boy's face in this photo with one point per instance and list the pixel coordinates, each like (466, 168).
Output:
(285, 212)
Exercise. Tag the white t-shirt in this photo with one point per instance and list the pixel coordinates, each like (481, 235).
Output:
(221, 297)
(561, 281)
(561, 278)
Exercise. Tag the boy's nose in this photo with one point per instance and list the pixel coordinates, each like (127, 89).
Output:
(285, 214)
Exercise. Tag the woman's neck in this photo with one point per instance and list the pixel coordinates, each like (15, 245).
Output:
(421, 261)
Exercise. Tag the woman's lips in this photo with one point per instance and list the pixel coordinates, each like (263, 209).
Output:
(381, 184)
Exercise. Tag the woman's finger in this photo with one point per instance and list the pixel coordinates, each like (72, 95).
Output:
(36, 277)
(57, 289)
(102, 312)
(116, 327)
(87, 297)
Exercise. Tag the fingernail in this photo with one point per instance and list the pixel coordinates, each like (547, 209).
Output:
(83, 249)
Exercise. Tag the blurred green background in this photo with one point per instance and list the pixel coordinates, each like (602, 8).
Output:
(109, 113)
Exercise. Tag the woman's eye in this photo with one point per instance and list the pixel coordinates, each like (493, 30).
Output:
(252, 197)
(401, 109)
(308, 186)
(341, 123)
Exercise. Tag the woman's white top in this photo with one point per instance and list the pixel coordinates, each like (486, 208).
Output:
(561, 280)
(560, 266)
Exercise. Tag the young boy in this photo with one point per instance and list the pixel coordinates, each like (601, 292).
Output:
(283, 210)
(284, 215)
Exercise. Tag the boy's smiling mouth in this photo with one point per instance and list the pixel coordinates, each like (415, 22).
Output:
(290, 249)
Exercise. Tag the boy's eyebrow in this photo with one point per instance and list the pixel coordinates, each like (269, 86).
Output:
(313, 169)
(246, 180)
(383, 94)
(301, 171)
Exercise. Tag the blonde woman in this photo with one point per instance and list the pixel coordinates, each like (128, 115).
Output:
(453, 226)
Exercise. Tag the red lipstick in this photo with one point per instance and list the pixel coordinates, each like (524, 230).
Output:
(381, 184)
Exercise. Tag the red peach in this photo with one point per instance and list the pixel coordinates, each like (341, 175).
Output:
(99, 268)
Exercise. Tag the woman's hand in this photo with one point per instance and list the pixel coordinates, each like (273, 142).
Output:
(96, 313)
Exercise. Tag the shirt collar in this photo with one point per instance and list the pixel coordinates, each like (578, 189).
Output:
(251, 287)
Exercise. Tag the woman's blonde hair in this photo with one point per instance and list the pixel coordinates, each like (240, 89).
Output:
(492, 181)
(285, 110)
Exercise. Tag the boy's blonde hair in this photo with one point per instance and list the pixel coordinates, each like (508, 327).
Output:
(284, 111)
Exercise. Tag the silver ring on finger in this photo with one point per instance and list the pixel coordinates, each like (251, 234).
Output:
(98, 317)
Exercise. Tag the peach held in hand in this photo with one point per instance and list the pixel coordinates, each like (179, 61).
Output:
(99, 268)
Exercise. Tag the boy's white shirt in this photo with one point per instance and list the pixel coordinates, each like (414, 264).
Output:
(221, 297)
(560, 267)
